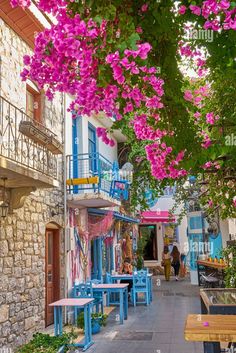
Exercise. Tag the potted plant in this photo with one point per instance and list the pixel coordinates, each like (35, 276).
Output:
(97, 320)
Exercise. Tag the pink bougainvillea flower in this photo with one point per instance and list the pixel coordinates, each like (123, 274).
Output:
(234, 201)
(139, 30)
(224, 4)
(144, 8)
(22, 3)
(182, 10)
(188, 96)
(210, 203)
(196, 10)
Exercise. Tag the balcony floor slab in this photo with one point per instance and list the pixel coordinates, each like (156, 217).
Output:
(87, 200)
(21, 176)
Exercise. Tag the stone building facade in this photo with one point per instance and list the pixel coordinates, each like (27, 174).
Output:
(23, 246)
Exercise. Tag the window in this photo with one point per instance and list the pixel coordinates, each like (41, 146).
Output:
(33, 103)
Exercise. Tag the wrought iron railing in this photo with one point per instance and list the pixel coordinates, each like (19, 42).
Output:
(20, 148)
(89, 165)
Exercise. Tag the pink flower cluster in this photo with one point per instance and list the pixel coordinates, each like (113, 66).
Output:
(211, 118)
(45, 5)
(102, 132)
(186, 50)
(217, 14)
(22, 3)
(144, 131)
(163, 165)
(209, 165)
(206, 140)
(67, 58)
(197, 96)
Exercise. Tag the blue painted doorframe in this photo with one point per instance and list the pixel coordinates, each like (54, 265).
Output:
(75, 151)
(92, 147)
(96, 272)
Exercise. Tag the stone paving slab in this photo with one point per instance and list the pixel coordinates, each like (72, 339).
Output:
(158, 328)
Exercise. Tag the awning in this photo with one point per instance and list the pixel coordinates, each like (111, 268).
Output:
(116, 215)
(157, 217)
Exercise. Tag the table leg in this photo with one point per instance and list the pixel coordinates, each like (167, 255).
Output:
(87, 327)
(150, 289)
(55, 321)
(125, 294)
(89, 323)
(60, 319)
(198, 274)
(121, 307)
(211, 347)
(86, 324)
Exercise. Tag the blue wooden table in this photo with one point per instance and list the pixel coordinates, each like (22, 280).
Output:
(129, 277)
(122, 289)
(82, 303)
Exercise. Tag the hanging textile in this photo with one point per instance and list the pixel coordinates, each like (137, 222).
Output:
(98, 227)
(109, 238)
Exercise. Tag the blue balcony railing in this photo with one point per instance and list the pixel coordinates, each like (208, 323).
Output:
(93, 172)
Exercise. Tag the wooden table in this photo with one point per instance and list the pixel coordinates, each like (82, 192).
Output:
(222, 328)
(122, 289)
(129, 277)
(210, 264)
(83, 303)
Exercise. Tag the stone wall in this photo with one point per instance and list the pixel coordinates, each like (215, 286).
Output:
(22, 268)
(22, 234)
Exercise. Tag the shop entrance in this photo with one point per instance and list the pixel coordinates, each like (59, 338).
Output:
(150, 233)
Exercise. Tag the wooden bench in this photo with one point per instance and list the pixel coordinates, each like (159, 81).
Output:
(211, 330)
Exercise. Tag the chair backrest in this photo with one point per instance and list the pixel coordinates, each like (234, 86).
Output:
(144, 271)
(108, 277)
(140, 279)
(83, 290)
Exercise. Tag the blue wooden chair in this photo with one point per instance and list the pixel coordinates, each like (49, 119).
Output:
(140, 285)
(111, 297)
(85, 290)
(98, 296)
(81, 290)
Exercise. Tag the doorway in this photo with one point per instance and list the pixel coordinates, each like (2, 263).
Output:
(52, 272)
(150, 233)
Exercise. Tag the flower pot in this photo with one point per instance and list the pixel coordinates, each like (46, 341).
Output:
(96, 327)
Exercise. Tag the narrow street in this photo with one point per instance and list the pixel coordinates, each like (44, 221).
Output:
(158, 328)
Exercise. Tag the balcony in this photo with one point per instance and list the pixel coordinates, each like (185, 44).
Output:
(93, 181)
(27, 150)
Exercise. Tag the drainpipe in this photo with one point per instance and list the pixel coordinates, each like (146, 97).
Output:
(65, 200)
(0, 75)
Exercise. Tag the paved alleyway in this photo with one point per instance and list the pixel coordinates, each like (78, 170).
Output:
(154, 329)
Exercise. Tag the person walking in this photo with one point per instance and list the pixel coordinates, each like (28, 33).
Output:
(175, 254)
(166, 262)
